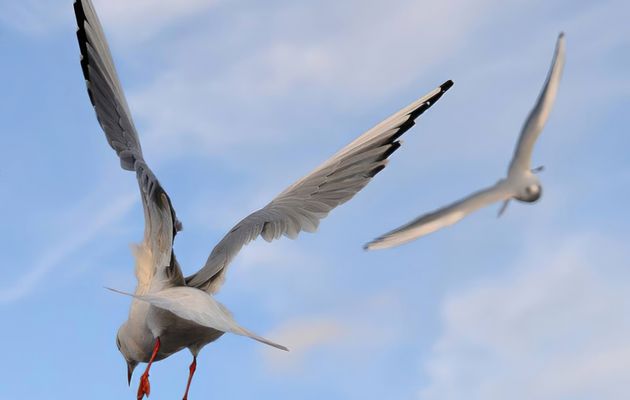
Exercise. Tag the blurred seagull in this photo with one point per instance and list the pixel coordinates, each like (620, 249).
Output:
(168, 311)
(521, 184)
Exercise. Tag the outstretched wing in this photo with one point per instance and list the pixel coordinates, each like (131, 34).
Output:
(113, 114)
(302, 205)
(441, 218)
(538, 116)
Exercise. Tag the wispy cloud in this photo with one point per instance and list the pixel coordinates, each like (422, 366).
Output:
(33, 17)
(366, 326)
(304, 336)
(207, 95)
(140, 20)
(80, 236)
(555, 329)
(128, 22)
(340, 54)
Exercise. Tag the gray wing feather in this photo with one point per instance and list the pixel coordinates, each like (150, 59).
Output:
(540, 113)
(440, 218)
(302, 205)
(112, 112)
(104, 86)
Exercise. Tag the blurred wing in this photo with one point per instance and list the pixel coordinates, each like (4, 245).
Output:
(199, 307)
(114, 117)
(302, 205)
(441, 218)
(538, 116)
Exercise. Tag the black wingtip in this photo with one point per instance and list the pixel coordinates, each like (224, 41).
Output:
(79, 13)
(425, 106)
(394, 146)
(374, 171)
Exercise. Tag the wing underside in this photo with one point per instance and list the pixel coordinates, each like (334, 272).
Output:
(302, 205)
(440, 218)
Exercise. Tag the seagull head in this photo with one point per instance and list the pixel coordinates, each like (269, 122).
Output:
(530, 193)
(526, 186)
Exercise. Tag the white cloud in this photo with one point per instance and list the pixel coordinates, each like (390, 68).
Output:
(264, 74)
(137, 20)
(34, 17)
(351, 331)
(303, 336)
(125, 21)
(338, 54)
(555, 329)
(80, 235)
(262, 268)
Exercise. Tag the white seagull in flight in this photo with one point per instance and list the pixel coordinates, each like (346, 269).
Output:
(521, 183)
(170, 312)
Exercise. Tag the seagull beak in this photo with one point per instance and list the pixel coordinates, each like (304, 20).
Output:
(130, 368)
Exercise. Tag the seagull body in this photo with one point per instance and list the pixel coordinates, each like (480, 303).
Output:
(170, 312)
(520, 184)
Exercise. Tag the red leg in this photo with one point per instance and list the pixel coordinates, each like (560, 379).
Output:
(145, 387)
(192, 369)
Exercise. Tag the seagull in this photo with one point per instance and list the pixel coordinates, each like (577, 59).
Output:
(170, 312)
(520, 184)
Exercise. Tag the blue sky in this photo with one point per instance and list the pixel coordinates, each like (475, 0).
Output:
(234, 100)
